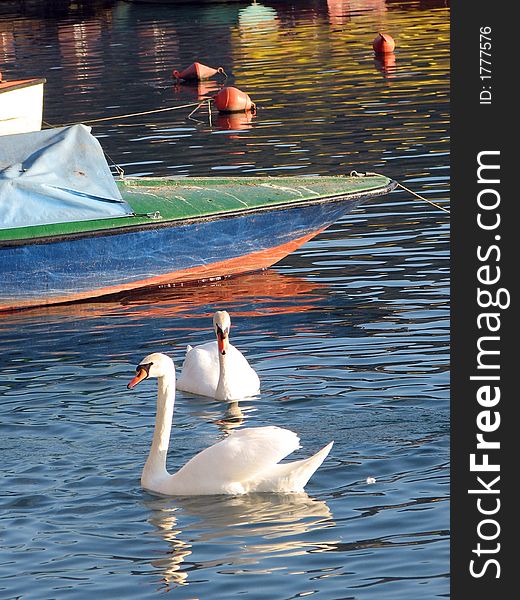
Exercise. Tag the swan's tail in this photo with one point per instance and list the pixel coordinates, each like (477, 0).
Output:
(293, 476)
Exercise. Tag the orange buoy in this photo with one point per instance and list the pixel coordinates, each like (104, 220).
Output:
(197, 72)
(383, 43)
(231, 99)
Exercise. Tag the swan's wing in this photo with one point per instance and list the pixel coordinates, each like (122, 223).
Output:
(200, 370)
(291, 476)
(244, 381)
(241, 456)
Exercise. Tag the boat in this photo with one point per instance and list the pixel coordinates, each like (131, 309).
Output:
(70, 231)
(21, 105)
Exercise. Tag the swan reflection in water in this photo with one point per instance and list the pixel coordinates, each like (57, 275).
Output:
(233, 417)
(244, 530)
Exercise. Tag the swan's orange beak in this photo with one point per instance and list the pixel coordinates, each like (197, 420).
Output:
(222, 341)
(141, 374)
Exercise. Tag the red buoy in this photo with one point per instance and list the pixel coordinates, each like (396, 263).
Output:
(197, 72)
(383, 43)
(231, 99)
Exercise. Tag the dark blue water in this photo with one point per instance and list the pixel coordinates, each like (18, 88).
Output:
(349, 335)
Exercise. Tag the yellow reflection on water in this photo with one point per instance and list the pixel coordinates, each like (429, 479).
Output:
(321, 67)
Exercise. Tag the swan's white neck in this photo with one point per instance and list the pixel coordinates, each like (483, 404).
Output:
(222, 392)
(155, 467)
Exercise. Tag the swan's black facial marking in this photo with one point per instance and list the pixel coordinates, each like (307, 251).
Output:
(146, 367)
(142, 372)
(222, 334)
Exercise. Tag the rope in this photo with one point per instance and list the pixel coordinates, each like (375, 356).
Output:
(209, 111)
(422, 197)
(119, 169)
(138, 114)
(196, 108)
(368, 174)
(202, 103)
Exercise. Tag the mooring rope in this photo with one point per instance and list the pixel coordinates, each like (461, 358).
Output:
(368, 174)
(137, 114)
(205, 101)
(119, 169)
(422, 197)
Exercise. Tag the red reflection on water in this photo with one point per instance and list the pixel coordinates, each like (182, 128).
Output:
(339, 11)
(377, 6)
(7, 47)
(255, 294)
(386, 64)
(235, 121)
(197, 91)
(77, 41)
(155, 44)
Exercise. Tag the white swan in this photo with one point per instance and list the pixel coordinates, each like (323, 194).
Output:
(246, 461)
(218, 369)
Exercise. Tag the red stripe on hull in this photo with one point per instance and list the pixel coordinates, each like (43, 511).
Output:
(234, 266)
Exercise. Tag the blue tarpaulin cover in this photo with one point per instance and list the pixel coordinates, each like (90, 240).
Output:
(56, 176)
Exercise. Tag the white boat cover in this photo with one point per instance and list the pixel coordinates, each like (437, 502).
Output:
(56, 176)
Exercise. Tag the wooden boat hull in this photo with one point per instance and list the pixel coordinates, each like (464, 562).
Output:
(87, 264)
(21, 106)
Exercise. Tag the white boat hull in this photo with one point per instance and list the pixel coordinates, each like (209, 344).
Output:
(21, 106)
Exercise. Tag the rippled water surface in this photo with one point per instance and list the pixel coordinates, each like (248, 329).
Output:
(349, 335)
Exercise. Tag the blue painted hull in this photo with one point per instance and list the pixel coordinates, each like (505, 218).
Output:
(86, 266)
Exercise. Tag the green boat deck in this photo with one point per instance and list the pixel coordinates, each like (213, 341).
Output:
(161, 200)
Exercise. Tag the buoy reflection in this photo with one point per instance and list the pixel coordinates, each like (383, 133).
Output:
(235, 121)
(386, 64)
